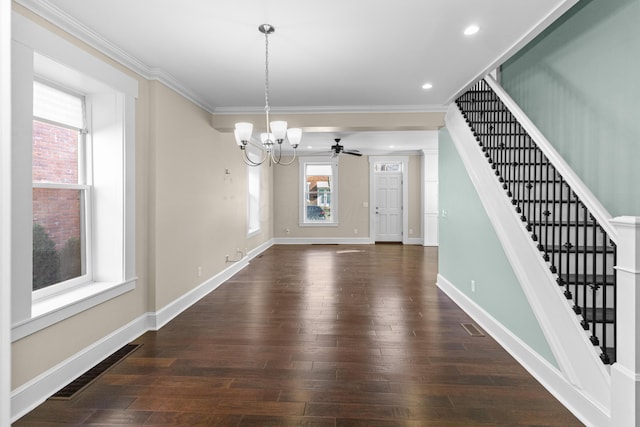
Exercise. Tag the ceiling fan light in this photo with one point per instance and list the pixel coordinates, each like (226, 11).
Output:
(294, 135)
(279, 130)
(243, 133)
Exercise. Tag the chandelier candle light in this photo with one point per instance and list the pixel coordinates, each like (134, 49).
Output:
(276, 131)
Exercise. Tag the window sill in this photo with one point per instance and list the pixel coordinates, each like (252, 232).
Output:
(55, 308)
(318, 224)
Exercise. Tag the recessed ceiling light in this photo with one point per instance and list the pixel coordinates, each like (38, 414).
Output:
(427, 86)
(471, 30)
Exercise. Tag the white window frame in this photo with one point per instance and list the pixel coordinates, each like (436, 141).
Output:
(303, 162)
(111, 96)
(253, 207)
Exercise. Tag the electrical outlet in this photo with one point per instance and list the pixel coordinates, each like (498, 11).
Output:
(411, 231)
(473, 286)
(355, 231)
(199, 271)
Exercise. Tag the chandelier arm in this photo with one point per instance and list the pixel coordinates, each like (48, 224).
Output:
(249, 162)
(279, 156)
(291, 161)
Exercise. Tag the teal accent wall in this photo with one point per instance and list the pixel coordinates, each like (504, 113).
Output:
(579, 82)
(470, 250)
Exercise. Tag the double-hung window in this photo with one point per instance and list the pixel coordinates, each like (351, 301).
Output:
(61, 190)
(72, 177)
(319, 192)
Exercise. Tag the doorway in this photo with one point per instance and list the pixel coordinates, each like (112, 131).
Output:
(388, 197)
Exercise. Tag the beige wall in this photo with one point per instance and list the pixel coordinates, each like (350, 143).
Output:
(353, 190)
(199, 186)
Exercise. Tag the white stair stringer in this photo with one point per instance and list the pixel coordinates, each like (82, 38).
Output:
(577, 359)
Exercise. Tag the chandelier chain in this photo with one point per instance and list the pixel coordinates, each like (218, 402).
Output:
(267, 108)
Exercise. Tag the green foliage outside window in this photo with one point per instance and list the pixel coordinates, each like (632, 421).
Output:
(51, 266)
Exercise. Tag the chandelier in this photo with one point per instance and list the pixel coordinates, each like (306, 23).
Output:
(276, 132)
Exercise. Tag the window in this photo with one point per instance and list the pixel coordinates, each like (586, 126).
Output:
(319, 184)
(73, 192)
(253, 194)
(391, 167)
(61, 211)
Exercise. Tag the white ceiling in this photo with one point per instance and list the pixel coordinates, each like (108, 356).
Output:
(329, 55)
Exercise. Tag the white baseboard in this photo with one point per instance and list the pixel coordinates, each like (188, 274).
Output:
(323, 241)
(257, 251)
(171, 310)
(31, 394)
(413, 241)
(584, 408)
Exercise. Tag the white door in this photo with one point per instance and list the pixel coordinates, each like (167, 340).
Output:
(388, 207)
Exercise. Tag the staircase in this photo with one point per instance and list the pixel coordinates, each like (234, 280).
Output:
(577, 249)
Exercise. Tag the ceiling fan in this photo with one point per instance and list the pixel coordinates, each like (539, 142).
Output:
(337, 149)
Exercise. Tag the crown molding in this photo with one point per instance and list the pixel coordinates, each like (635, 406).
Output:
(335, 109)
(49, 12)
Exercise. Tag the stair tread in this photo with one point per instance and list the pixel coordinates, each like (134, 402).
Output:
(564, 223)
(599, 279)
(501, 133)
(611, 352)
(602, 315)
(579, 248)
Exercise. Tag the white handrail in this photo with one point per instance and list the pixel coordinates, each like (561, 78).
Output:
(583, 192)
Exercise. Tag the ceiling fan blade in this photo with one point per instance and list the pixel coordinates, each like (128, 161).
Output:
(353, 153)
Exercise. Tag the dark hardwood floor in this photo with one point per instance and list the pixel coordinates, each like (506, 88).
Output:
(317, 336)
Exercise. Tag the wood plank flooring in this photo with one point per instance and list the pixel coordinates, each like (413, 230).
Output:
(317, 336)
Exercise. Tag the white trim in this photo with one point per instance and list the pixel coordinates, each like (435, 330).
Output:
(567, 339)
(577, 185)
(258, 250)
(163, 316)
(56, 308)
(430, 214)
(31, 394)
(320, 109)
(574, 399)
(413, 241)
(323, 241)
(5, 212)
(303, 161)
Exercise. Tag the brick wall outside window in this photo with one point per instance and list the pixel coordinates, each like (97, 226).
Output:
(55, 159)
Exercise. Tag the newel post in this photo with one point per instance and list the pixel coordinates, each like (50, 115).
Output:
(625, 373)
